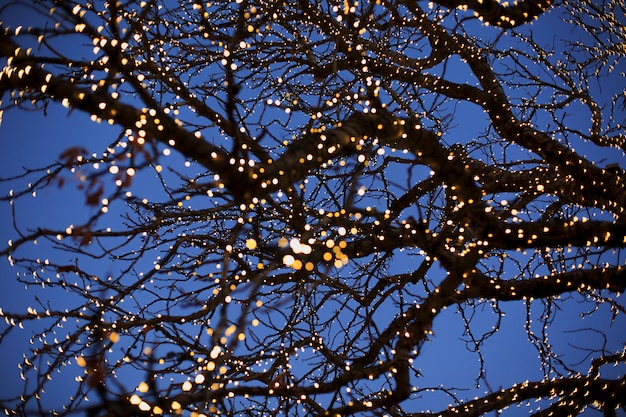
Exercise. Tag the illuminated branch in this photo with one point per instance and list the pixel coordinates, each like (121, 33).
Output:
(501, 14)
(611, 279)
(27, 75)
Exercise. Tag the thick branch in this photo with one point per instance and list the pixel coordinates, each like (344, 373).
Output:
(477, 286)
(504, 15)
(27, 75)
(578, 391)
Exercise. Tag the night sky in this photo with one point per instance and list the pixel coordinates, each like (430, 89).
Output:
(31, 140)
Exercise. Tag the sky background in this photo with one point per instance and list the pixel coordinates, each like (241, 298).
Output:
(31, 140)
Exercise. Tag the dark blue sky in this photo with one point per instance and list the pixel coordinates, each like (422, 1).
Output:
(31, 140)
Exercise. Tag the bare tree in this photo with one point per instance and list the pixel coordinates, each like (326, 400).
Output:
(302, 195)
